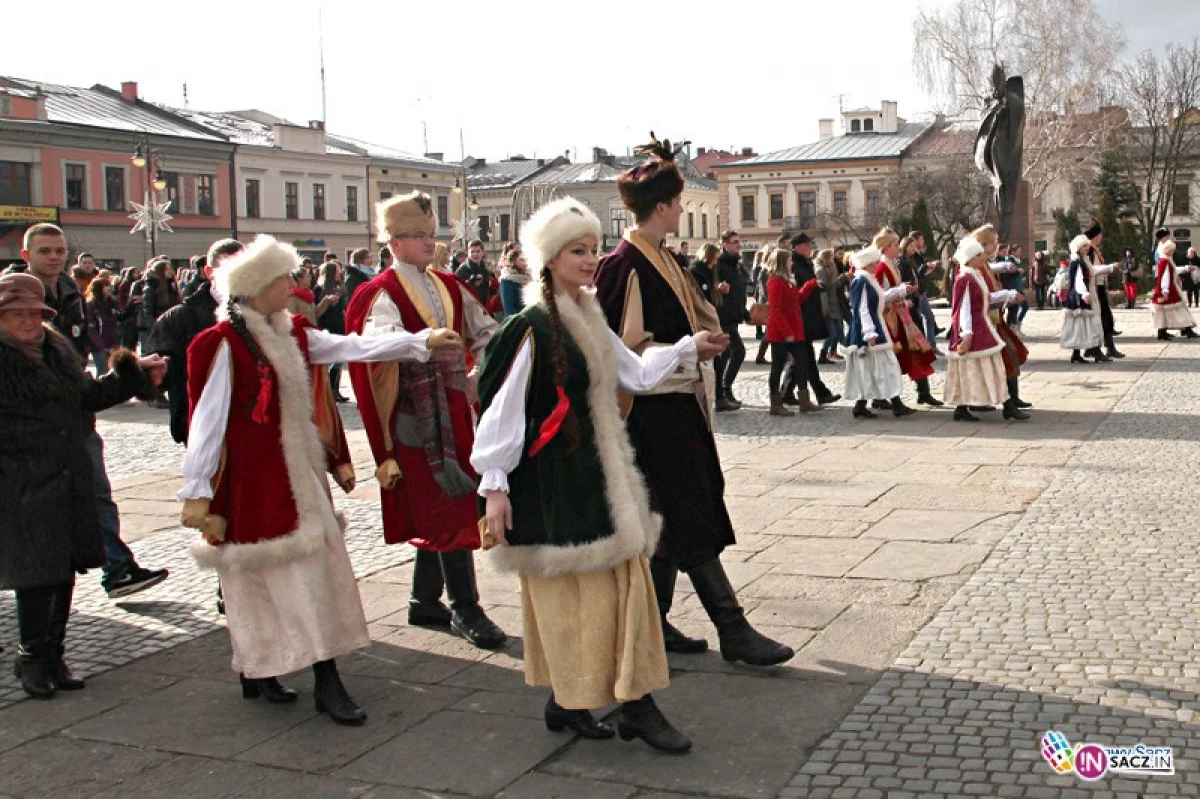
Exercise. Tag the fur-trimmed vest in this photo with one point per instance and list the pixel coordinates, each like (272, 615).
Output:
(865, 286)
(971, 288)
(577, 506)
(270, 486)
(1173, 296)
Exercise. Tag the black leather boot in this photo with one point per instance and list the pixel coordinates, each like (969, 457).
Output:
(467, 618)
(642, 719)
(580, 722)
(330, 696)
(56, 648)
(739, 641)
(1077, 358)
(925, 396)
(881, 405)
(963, 414)
(1111, 347)
(269, 688)
(664, 572)
(34, 606)
(1014, 393)
(425, 608)
(1097, 355)
(1163, 335)
(861, 412)
(1011, 411)
(899, 408)
(1188, 332)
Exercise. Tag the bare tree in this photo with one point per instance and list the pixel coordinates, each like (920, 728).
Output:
(955, 192)
(1162, 94)
(1063, 49)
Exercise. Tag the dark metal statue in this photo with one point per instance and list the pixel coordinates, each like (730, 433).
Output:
(999, 144)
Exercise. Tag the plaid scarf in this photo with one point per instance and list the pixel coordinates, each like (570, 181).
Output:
(423, 418)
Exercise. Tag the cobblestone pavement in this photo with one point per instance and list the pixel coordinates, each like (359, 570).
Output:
(853, 537)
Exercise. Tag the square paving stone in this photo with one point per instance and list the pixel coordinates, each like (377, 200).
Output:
(856, 495)
(489, 753)
(547, 786)
(863, 641)
(501, 673)
(209, 655)
(203, 778)
(925, 525)
(961, 497)
(754, 515)
(822, 557)
(736, 723)
(61, 767)
(880, 460)
(918, 560)
(817, 528)
(219, 722)
(317, 745)
(795, 613)
(972, 453)
(827, 589)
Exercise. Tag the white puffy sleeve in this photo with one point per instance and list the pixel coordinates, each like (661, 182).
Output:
(864, 315)
(383, 318)
(398, 345)
(1000, 297)
(478, 326)
(1100, 270)
(500, 437)
(965, 320)
(896, 293)
(1081, 287)
(206, 434)
(644, 372)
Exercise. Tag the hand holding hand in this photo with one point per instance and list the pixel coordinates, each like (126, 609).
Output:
(872, 341)
(213, 529)
(194, 511)
(155, 367)
(497, 518)
(709, 345)
(964, 346)
(388, 474)
(911, 288)
(443, 337)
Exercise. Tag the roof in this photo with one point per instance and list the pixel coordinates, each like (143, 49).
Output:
(853, 146)
(574, 173)
(503, 174)
(954, 138)
(102, 107)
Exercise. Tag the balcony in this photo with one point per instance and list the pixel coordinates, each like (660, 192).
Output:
(807, 222)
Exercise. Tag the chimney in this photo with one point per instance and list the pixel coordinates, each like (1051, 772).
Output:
(939, 119)
(597, 155)
(129, 91)
(891, 121)
(436, 156)
(747, 151)
(541, 162)
(825, 126)
(316, 124)
(701, 151)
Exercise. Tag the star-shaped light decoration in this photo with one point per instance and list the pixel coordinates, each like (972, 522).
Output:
(151, 215)
(469, 233)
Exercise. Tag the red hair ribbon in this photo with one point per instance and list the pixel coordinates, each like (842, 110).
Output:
(264, 394)
(553, 422)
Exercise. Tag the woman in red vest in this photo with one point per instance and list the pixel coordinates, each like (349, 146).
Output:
(1167, 300)
(264, 430)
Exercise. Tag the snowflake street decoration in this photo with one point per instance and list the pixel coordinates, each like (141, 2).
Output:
(151, 216)
(464, 234)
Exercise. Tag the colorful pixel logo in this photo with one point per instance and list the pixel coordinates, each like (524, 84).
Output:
(1058, 752)
(1093, 761)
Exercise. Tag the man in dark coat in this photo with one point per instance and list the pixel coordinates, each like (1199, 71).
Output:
(476, 274)
(1095, 234)
(359, 272)
(732, 312)
(815, 327)
(175, 330)
(46, 261)
(51, 527)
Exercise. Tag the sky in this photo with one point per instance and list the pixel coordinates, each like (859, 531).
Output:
(521, 77)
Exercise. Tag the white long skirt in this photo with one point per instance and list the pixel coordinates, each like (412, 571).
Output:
(285, 618)
(1172, 317)
(976, 381)
(873, 374)
(1080, 330)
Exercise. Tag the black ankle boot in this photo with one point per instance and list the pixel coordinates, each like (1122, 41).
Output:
(963, 414)
(34, 608)
(330, 696)
(56, 637)
(1014, 393)
(580, 722)
(425, 608)
(269, 688)
(861, 412)
(467, 618)
(1077, 358)
(1163, 335)
(663, 571)
(1188, 332)
(899, 408)
(1097, 355)
(925, 396)
(1011, 411)
(881, 405)
(642, 719)
(739, 641)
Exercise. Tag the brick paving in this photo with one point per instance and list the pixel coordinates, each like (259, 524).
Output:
(919, 671)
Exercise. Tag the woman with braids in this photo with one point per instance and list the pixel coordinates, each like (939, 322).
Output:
(264, 430)
(563, 500)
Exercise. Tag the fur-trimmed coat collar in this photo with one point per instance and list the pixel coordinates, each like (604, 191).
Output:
(25, 381)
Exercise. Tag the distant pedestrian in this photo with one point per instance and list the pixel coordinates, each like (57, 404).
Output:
(103, 335)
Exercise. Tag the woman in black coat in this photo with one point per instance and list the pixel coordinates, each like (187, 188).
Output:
(159, 295)
(50, 528)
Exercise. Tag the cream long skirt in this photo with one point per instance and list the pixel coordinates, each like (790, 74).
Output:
(1080, 330)
(976, 381)
(873, 374)
(1172, 317)
(595, 638)
(285, 618)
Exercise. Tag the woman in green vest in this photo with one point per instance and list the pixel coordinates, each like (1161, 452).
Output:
(565, 506)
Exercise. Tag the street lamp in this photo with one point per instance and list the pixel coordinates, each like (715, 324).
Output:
(143, 156)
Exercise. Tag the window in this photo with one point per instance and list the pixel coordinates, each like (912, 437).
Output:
(808, 208)
(204, 196)
(1180, 200)
(840, 203)
(14, 183)
(617, 221)
(747, 208)
(504, 227)
(874, 202)
(704, 225)
(291, 200)
(776, 207)
(855, 126)
(318, 201)
(868, 125)
(1040, 245)
(352, 203)
(172, 191)
(76, 186)
(114, 188)
(443, 211)
(385, 195)
(1078, 196)
(1039, 205)
(253, 210)
(691, 225)
(485, 228)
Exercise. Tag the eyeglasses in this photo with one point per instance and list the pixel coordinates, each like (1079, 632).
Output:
(417, 236)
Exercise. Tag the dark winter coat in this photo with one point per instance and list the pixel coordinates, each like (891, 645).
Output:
(803, 270)
(732, 311)
(103, 333)
(170, 337)
(50, 528)
(152, 306)
(479, 278)
(70, 307)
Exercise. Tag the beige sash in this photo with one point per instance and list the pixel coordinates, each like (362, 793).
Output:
(419, 302)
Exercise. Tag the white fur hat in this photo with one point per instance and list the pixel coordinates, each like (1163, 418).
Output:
(968, 248)
(867, 256)
(1168, 247)
(1078, 242)
(553, 227)
(250, 271)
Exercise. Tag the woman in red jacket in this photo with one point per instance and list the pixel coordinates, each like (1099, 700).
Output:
(785, 329)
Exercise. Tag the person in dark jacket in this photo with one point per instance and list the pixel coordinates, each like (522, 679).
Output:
(815, 327)
(475, 273)
(45, 255)
(50, 528)
(128, 302)
(159, 295)
(731, 284)
(333, 320)
(359, 272)
(103, 335)
(513, 279)
(175, 330)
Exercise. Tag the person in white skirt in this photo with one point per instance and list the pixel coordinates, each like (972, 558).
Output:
(1170, 312)
(975, 375)
(1081, 323)
(872, 371)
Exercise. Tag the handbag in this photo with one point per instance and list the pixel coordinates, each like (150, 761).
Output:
(758, 314)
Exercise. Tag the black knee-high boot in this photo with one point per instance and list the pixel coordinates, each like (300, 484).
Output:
(1014, 393)
(331, 697)
(1011, 411)
(739, 641)
(34, 608)
(664, 572)
(466, 616)
(56, 638)
(425, 608)
(925, 396)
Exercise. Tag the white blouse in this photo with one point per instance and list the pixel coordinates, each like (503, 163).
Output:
(864, 309)
(206, 434)
(500, 437)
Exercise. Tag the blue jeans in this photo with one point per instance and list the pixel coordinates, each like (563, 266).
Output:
(835, 337)
(1017, 311)
(930, 322)
(100, 359)
(118, 554)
